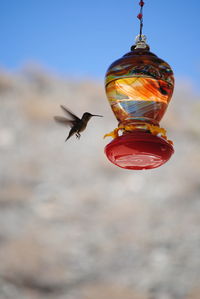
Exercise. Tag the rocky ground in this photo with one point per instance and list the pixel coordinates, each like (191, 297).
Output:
(74, 226)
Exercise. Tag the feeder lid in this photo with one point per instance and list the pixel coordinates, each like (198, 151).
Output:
(139, 150)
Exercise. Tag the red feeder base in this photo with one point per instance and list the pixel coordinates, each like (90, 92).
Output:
(139, 150)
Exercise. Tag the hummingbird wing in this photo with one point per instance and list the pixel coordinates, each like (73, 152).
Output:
(64, 121)
(73, 116)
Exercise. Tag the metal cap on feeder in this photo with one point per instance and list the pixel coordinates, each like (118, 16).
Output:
(139, 87)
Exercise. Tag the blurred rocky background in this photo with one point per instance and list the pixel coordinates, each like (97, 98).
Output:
(74, 226)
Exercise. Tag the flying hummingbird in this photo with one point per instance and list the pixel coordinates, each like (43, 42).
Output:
(77, 124)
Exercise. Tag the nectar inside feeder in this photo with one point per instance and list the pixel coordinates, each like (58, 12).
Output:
(139, 87)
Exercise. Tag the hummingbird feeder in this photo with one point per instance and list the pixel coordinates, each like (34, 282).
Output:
(139, 87)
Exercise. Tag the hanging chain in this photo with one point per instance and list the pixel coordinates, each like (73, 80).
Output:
(140, 17)
(140, 40)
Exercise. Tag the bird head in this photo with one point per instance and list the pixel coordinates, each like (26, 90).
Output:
(87, 115)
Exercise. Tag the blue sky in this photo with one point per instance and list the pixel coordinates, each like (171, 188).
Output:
(82, 38)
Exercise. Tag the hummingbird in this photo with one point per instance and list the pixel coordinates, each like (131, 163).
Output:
(77, 124)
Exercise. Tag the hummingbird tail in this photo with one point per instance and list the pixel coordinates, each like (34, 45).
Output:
(71, 132)
(68, 136)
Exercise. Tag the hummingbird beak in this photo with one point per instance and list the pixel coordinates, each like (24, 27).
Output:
(97, 115)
